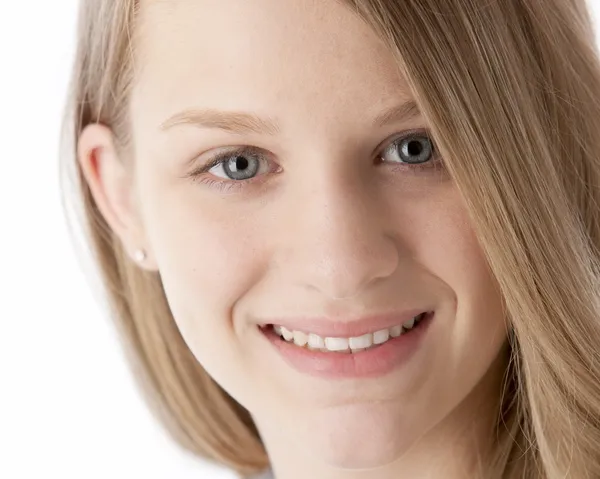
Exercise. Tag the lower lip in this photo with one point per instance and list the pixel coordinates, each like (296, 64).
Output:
(374, 362)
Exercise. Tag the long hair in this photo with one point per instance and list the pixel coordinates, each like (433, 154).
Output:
(511, 92)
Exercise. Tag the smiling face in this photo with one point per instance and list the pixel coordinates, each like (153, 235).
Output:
(324, 207)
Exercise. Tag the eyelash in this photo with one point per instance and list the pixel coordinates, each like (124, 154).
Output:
(196, 175)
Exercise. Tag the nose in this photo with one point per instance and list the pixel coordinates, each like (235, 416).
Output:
(336, 240)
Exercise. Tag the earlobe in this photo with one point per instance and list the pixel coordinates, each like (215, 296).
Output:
(111, 185)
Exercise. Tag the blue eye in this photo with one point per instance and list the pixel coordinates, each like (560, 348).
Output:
(412, 153)
(411, 149)
(238, 166)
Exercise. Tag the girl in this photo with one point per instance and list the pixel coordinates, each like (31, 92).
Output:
(406, 282)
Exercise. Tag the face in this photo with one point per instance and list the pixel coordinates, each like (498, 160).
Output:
(330, 213)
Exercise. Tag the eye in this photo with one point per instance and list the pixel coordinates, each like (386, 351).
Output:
(240, 165)
(413, 149)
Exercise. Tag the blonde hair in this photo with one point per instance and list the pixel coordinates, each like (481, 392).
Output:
(510, 90)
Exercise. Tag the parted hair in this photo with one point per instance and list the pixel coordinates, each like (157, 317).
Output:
(511, 92)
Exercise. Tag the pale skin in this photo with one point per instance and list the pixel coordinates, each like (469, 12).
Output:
(321, 229)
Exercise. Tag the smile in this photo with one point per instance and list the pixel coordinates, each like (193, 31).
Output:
(372, 354)
(352, 345)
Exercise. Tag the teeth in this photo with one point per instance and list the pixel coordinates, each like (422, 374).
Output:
(380, 337)
(395, 331)
(409, 324)
(336, 344)
(361, 342)
(316, 342)
(300, 338)
(350, 345)
(287, 334)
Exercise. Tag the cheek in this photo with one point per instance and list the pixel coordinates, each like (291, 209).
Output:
(473, 329)
(210, 257)
(455, 256)
(206, 261)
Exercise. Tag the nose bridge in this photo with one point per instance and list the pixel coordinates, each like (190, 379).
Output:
(336, 241)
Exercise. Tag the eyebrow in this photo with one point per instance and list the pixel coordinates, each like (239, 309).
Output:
(232, 121)
(242, 122)
(409, 110)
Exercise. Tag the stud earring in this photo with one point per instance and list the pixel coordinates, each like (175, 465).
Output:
(139, 255)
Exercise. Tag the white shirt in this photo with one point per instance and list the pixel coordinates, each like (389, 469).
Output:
(268, 474)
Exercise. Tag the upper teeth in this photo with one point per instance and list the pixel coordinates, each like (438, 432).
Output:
(353, 344)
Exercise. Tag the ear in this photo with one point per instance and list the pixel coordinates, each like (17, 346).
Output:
(112, 187)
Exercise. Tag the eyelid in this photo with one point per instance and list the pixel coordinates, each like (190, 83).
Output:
(220, 156)
(383, 146)
(260, 154)
(435, 163)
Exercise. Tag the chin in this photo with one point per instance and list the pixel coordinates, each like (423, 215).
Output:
(360, 437)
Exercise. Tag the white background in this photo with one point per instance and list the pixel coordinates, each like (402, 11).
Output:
(68, 406)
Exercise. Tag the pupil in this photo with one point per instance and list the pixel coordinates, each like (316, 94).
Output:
(414, 148)
(241, 163)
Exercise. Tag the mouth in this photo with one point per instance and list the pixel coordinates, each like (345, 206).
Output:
(345, 345)
(373, 354)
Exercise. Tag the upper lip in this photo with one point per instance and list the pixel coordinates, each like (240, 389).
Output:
(343, 328)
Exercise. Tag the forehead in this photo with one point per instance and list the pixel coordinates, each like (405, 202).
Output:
(299, 56)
